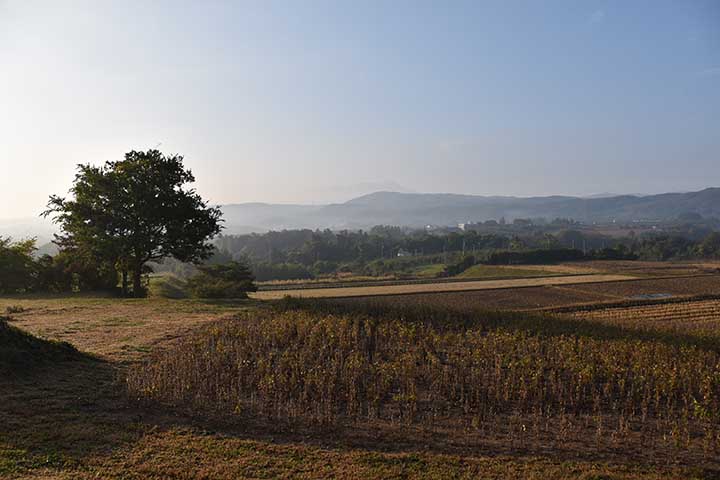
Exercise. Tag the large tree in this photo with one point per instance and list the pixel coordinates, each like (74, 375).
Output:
(133, 211)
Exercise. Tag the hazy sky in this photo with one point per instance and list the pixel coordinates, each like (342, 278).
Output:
(309, 101)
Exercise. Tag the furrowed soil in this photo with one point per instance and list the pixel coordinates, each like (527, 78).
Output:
(73, 419)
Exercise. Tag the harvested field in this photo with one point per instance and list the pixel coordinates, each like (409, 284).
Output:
(436, 287)
(694, 285)
(697, 317)
(501, 299)
(651, 269)
(553, 296)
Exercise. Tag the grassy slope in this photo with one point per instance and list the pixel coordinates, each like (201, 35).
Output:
(492, 271)
(70, 420)
(430, 270)
(21, 353)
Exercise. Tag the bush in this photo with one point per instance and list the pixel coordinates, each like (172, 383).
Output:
(231, 280)
(460, 266)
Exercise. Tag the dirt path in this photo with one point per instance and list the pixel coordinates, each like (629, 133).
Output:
(439, 287)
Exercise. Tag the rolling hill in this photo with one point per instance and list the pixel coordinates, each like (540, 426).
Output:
(418, 209)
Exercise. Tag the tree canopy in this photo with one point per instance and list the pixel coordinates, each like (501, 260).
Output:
(132, 211)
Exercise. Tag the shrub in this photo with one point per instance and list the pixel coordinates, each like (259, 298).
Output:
(231, 280)
(460, 266)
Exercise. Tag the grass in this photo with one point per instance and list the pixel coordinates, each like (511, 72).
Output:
(493, 271)
(21, 353)
(430, 270)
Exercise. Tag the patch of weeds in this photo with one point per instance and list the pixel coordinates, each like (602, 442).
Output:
(411, 462)
(120, 322)
(11, 309)
(14, 461)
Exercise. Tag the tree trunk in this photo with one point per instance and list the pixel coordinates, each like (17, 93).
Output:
(137, 282)
(125, 283)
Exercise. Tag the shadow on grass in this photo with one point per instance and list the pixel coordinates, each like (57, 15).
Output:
(57, 405)
(22, 353)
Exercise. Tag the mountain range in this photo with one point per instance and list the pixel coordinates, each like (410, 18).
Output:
(420, 209)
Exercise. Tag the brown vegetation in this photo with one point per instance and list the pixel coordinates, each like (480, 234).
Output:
(487, 377)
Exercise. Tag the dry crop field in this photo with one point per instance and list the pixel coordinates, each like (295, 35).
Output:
(594, 384)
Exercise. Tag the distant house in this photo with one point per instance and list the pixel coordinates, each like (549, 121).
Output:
(404, 253)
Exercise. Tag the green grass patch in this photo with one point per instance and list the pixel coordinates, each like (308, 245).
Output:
(431, 270)
(493, 271)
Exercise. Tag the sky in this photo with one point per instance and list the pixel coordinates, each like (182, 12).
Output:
(318, 101)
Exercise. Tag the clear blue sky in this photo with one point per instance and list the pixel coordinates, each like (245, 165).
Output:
(309, 101)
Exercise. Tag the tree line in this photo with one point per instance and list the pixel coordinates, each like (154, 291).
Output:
(298, 254)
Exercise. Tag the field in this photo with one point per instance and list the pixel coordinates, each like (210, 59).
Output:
(459, 286)
(696, 317)
(599, 380)
(553, 295)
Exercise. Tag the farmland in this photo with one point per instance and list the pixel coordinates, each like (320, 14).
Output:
(551, 380)
(410, 288)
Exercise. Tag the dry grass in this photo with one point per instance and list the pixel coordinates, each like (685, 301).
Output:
(435, 287)
(112, 328)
